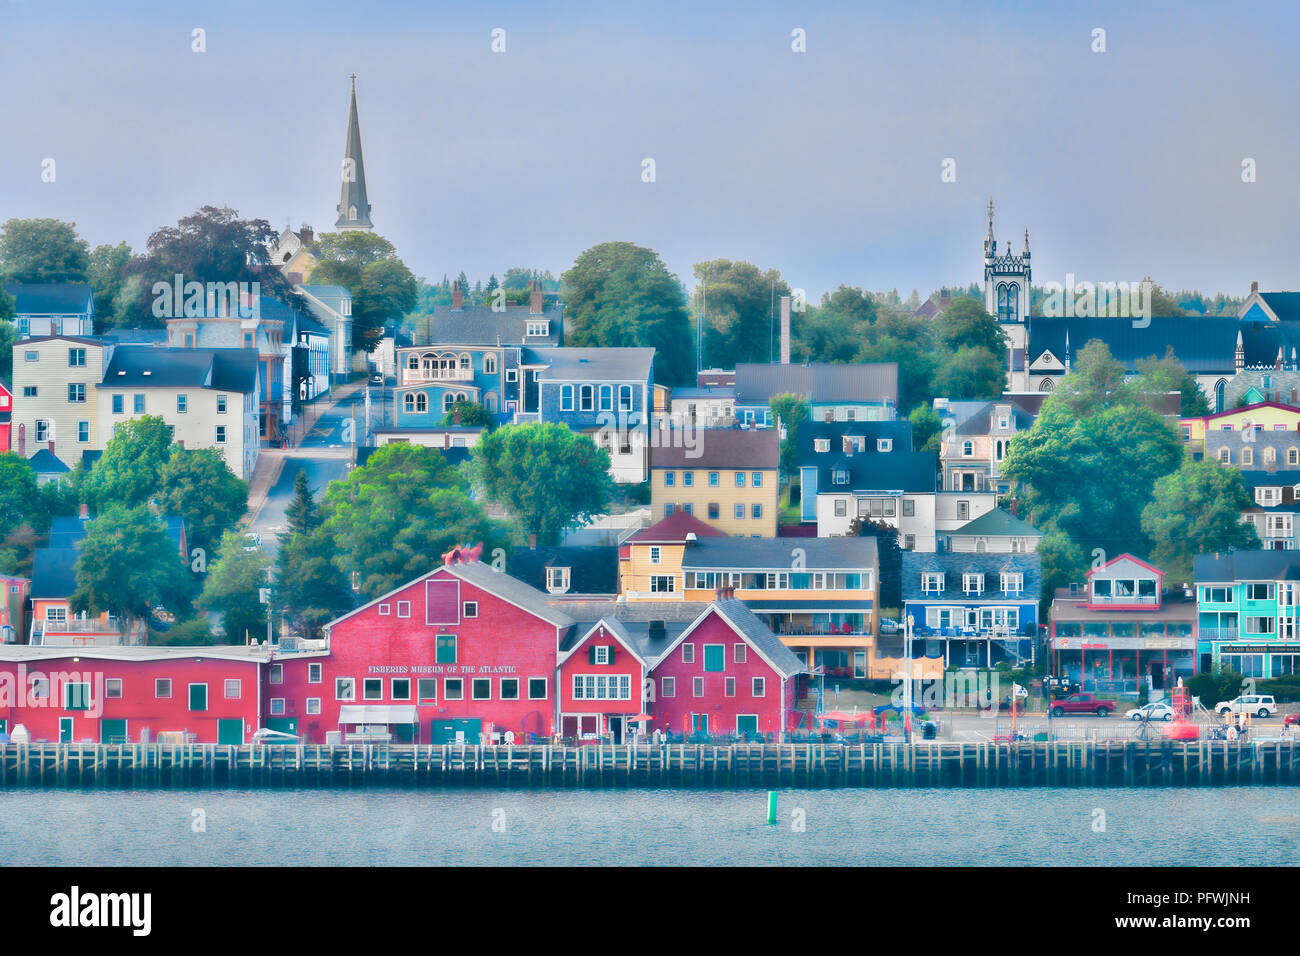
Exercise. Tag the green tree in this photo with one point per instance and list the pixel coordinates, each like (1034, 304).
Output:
(917, 361)
(232, 589)
(739, 301)
(1062, 562)
(128, 565)
(927, 428)
(309, 589)
(1197, 510)
(972, 372)
(383, 288)
(1095, 381)
(42, 250)
(965, 324)
(1162, 303)
(211, 244)
(8, 337)
(890, 559)
(197, 485)
(547, 477)
(130, 470)
(620, 295)
(107, 265)
(1158, 377)
(835, 329)
(791, 411)
(469, 413)
(19, 494)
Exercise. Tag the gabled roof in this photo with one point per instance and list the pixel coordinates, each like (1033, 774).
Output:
(144, 366)
(45, 462)
(51, 298)
(510, 589)
(1285, 305)
(593, 569)
(806, 437)
(908, 471)
(1131, 558)
(998, 523)
(1246, 566)
(738, 448)
(868, 382)
(480, 325)
(954, 564)
(591, 365)
(612, 626)
(819, 554)
(981, 423)
(751, 628)
(674, 529)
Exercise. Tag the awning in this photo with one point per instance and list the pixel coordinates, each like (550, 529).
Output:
(378, 714)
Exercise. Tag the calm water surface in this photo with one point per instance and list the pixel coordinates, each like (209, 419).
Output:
(1111, 827)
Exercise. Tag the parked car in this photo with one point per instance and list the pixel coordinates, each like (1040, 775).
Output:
(252, 541)
(1154, 711)
(917, 709)
(1291, 720)
(889, 626)
(377, 379)
(1083, 703)
(1261, 705)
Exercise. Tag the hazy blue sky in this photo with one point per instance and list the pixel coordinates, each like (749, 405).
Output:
(825, 165)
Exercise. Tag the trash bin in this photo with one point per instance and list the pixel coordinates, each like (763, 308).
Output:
(333, 738)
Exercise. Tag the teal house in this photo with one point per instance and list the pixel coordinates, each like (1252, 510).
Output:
(1247, 604)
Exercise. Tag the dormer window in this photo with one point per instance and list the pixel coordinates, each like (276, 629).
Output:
(884, 444)
(841, 476)
(821, 444)
(1013, 583)
(932, 582)
(972, 583)
(967, 449)
(538, 329)
(557, 579)
(1268, 496)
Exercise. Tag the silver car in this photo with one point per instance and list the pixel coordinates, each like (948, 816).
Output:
(1154, 711)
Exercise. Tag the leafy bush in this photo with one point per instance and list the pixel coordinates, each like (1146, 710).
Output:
(192, 633)
(1213, 688)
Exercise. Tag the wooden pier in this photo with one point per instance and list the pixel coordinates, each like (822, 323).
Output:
(1118, 763)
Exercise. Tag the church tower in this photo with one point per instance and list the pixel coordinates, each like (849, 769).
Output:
(1006, 297)
(354, 210)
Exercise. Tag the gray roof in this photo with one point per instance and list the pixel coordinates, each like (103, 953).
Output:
(954, 564)
(909, 471)
(635, 634)
(981, 422)
(821, 382)
(51, 298)
(759, 635)
(134, 336)
(1246, 566)
(480, 325)
(738, 448)
(593, 569)
(143, 366)
(54, 572)
(998, 522)
(1285, 305)
(807, 435)
(510, 589)
(595, 365)
(819, 554)
(45, 462)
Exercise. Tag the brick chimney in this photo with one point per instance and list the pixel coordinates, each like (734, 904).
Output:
(457, 295)
(1014, 507)
(535, 298)
(1254, 287)
(83, 512)
(307, 235)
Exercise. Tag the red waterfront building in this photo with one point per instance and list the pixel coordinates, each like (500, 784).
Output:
(460, 652)
(603, 670)
(6, 417)
(135, 694)
(726, 673)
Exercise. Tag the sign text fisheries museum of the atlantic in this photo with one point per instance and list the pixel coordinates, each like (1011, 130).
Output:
(442, 669)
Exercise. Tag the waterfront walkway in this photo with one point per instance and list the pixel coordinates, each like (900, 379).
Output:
(929, 764)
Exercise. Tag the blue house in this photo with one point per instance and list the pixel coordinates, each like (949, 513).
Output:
(475, 355)
(52, 308)
(836, 393)
(819, 444)
(982, 608)
(605, 393)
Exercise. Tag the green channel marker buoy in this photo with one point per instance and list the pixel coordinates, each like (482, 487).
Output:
(771, 806)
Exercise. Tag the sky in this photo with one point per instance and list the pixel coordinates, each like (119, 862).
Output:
(825, 164)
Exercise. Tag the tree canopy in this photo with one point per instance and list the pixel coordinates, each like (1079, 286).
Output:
(546, 476)
(621, 295)
(232, 589)
(791, 411)
(42, 250)
(739, 302)
(1197, 510)
(383, 288)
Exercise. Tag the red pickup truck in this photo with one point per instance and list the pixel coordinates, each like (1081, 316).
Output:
(1082, 704)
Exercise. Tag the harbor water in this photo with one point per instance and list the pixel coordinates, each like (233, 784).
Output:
(936, 827)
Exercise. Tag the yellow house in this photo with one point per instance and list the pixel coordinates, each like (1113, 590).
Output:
(819, 595)
(1263, 416)
(726, 477)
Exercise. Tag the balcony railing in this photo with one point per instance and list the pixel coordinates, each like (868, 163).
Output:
(1219, 633)
(84, 632)
(413, 376)
(822, 630)
(1150, 600)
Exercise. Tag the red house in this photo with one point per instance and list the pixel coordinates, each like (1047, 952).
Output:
(461, 652)
(6, 417)
(121, 694)
(726, 673)
(603, 671)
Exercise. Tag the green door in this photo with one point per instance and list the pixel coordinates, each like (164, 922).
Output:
(746, 724)
(65, 730)
(112, 731)
(701, 722)
(286, 725)
(464, 729)
(230, 730)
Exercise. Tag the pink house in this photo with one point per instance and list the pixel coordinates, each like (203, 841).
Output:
(727, 673)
